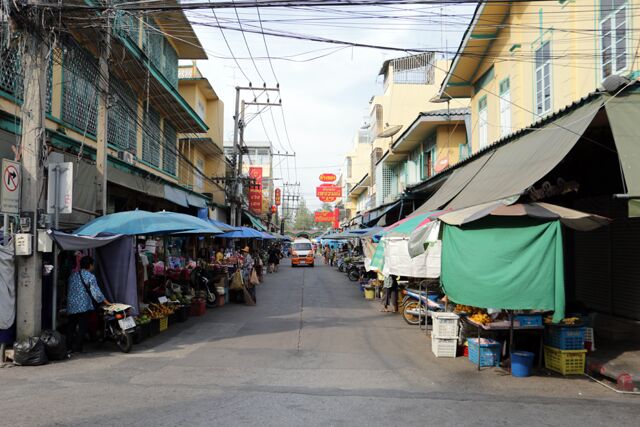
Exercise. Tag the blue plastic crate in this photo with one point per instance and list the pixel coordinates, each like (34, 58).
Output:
(564, 338)
(528, 319)
(489, 355)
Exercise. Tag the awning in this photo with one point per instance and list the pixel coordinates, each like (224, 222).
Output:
(134, 182)
(196, 201)
(519, 164)
(372, 217)
(257, 224)
(623, 112)
(509, 169)
(175, 195)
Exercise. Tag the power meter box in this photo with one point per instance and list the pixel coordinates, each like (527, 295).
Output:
(24, 244)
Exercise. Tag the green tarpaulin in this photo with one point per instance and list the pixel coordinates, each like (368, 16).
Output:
(505, 263)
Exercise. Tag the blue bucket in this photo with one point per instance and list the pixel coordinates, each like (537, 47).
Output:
(521, 363)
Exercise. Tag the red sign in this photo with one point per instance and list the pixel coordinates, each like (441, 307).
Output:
(324, 216)
(278, 197)
(328, 177)
(329, 190)
(327, 199)
(274, 209)
(336, 218)
(255, 190)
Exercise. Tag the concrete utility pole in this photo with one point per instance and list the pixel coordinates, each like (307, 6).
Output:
(238, 146)
(103, 117)
(29, 291)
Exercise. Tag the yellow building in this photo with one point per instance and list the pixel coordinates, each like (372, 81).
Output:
(520, 62)
(146, 111)
(204, 151)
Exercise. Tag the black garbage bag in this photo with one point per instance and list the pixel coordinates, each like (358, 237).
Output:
(29, 352)
(55, 345)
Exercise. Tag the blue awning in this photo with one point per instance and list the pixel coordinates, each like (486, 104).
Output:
(175, 195)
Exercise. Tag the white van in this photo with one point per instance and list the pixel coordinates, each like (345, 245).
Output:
(302, 252)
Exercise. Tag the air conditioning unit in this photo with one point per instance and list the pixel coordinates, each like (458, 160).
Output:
(126, 156)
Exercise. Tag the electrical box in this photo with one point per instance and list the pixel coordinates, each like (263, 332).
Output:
(45, 244)
(24, 244)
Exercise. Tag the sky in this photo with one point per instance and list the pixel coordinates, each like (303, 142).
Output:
(324, 100)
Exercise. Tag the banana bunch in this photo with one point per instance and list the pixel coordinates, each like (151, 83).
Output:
(459, 308)
(158, 311)
(480, 317)
(566, 321)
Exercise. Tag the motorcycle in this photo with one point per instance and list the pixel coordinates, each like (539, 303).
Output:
(203, 283)
(415, 305)
(355, 271)
(118, 324)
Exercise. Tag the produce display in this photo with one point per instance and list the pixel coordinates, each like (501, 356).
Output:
(158, 311)
(548, 320)
(475, 314)
(143, 320)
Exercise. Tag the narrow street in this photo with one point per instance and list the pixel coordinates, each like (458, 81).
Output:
(312, 352)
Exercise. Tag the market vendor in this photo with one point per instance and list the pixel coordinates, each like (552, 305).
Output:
(83, 297)
(219, 256)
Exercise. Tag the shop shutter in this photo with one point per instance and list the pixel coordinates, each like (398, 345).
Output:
(625, 260)
(592, 269)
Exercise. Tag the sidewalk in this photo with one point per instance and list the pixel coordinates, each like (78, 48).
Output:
(617, 361)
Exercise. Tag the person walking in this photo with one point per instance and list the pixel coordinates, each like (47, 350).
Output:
(390, 293)
(274, 259)
(326, 254)
(83, 297)
(247, 269)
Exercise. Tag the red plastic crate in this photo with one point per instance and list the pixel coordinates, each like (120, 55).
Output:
(198, 308)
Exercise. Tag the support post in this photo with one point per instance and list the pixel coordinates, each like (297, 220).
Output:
(103, 117)
(239, 172)
(236, 154)
(29, 290)
(56, 225)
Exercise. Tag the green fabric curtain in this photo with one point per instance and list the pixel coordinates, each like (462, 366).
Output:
(377, 261)
(505, 263)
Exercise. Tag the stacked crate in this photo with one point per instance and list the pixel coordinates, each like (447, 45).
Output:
(444, 336)
(564, 350)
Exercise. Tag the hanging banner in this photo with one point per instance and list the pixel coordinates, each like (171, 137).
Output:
(336, 218)
(255, 190)
(328, 190)
(328, 177)
(278, 196)
(328, 199)
(324, 216)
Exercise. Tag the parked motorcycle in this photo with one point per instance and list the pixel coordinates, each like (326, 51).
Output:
(118, 324)
(355, 271)
(415, 306)
(203, 283)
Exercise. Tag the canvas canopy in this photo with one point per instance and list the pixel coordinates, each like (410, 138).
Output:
(505, 263)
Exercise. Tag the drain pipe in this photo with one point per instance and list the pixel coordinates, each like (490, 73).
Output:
(611, 388)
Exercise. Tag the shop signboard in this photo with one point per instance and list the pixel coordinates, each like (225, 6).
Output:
(10, 190)
(328, 177)
(328, 190)
(324, 216)
(255, 190)
(278, 196)
(327, 199)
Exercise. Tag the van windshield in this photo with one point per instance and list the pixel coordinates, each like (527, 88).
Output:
(302, 246)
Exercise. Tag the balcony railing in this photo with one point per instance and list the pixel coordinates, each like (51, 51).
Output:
(190, 72)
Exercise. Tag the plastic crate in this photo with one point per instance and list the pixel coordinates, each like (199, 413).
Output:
(444, 347)
(589, 339)
(198, 308)
(530, 320)
(565, 362)
(488, 351)
(445, 325)
(564, 338)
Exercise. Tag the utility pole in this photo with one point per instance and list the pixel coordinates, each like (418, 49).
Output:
(103, 117)
(238, 146)
(32, 116)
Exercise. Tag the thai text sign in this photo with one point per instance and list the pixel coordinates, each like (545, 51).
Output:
(324, 216)
(327, 177)
(255, 190)
(328, 190)
(278, 197)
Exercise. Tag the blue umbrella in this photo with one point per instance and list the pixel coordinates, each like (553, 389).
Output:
(268, 236)
(222, 225)
(140, 222)
(194, 224)
(242, 233)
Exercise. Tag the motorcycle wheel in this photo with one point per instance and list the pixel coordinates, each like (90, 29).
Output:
(124, 342)
(353, 275)
(409, 317)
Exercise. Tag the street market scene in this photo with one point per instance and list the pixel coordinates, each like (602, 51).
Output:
(286, 212)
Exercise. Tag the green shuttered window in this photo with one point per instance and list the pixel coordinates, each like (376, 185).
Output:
(151, 137)
(79, 90)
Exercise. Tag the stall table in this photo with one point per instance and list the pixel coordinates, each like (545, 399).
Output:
(505, 326)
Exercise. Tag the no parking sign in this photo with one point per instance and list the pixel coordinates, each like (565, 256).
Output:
(10, 187)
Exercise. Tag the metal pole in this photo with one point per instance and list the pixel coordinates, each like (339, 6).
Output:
(5, 230)
(240, 145)
(236, 153)
(56, 224)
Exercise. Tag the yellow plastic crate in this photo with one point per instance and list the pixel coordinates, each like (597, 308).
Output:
(164, 324)
(565, 362)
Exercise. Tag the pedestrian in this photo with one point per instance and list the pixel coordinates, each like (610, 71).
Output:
(247, 269)
(83, 297)
(274, 259)
(332, 257)
(390, 293)
(326, 254)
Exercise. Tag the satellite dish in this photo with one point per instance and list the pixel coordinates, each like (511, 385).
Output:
(389, 132)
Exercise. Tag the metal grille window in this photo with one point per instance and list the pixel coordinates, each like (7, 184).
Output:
(10, 68)
(170, 63)
(415, 69)
(151, 137)
(483, 126)
(169, 149)
(505, 108)
(160, 51)
(79, 90)
(613, 36)
(126, 23)
(543, 78)
(122, 124)
(384, 181)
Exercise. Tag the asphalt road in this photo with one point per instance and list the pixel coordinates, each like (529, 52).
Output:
(312, 352)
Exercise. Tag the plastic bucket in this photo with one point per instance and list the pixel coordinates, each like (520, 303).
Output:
(521, 363)
(369, 294)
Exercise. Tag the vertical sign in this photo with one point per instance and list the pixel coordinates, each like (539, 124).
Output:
(65, 187)
(336, 218)
(255, 190)
(10, 189)
(278, 196)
